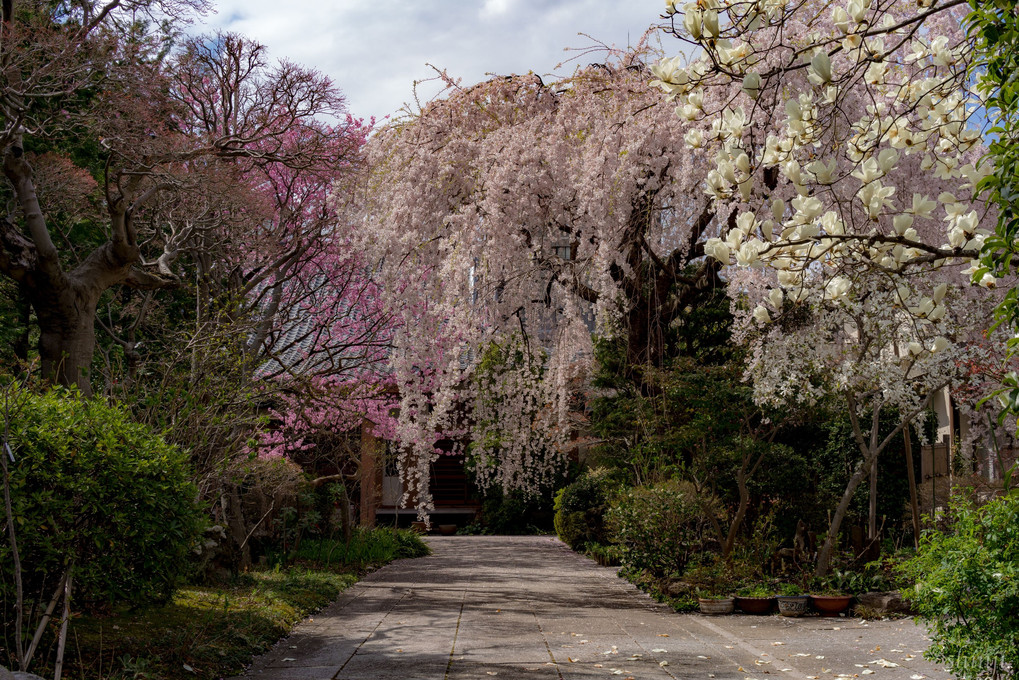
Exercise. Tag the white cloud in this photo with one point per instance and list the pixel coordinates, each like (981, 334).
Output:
(493, 9)
(375, 56)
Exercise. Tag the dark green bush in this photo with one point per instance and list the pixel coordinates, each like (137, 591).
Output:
(516, 513)
(580, 508)
(367, 546)
(966, 584)
(91, 488)
(660, 527)
(408, 544)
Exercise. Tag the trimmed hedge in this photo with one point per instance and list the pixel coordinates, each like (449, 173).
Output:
(91, 488)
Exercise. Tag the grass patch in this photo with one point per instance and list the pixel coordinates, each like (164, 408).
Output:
(215, 630)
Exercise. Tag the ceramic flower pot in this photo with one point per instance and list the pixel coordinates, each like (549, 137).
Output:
(716, 605)
(831, 605)
(793, 605)
(755, 605)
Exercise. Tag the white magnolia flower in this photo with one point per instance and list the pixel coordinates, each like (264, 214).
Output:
(901, 223)
(752, 85)
(710, 23)
(852, 42)
(919, 52)
(746, 222)
(923, 206)
(778, 209)
(925, 307)
(743, 163)
(748, 254)
(746, 187)
(838, 287)
(792, 109)
(832, 223)
(957, 237)
(968, 222)
(718, 249)
(875, 197)
(942, 53)
(693, 22)
(840, 18)
(761, 314)
(857, 9)
(824, 174)
(819, 71)
(887, 159)
(868, 171)
(876, 73)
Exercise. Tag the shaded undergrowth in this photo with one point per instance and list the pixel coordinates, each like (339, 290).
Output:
(213, 631)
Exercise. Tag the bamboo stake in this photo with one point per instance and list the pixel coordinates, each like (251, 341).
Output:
(58, 668)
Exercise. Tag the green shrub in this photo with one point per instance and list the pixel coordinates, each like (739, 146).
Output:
(660, 527)
(91, 488)
(966, 584)
(516, 513)
(366, 547)
(580, 508)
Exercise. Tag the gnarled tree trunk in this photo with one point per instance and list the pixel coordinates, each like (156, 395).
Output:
(65, 301)
(67, 336)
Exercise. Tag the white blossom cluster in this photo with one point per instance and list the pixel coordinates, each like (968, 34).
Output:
(843, 142)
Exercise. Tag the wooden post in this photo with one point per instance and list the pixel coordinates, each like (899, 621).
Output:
(872, 515)
(913, 502)
(370, 472)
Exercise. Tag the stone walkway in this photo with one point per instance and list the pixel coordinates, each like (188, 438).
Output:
(528, 607)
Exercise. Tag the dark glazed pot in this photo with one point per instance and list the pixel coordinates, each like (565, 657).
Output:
(755, 605)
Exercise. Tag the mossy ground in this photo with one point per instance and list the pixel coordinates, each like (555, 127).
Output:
(203, 632)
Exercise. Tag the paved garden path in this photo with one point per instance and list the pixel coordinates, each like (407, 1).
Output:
(528, 607)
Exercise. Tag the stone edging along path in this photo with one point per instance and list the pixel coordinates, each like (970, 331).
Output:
(528, 607)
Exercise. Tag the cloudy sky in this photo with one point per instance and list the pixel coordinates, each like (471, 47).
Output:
(376, 50)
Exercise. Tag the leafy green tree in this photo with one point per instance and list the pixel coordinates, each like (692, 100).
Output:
(966, 584)
(994, 26)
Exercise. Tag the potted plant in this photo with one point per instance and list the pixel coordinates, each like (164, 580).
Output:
(757, 599)
(791, 600)
(713, 603)
(829, 598)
